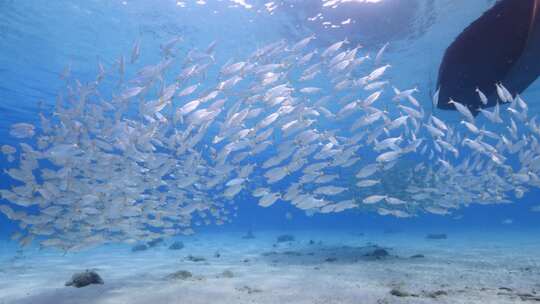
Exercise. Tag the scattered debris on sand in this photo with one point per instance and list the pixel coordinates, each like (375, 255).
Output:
(435, 294)
(83, 279)
(399, 292)
(180, 275)
(249, 290)
(528, 297)
(523, 296)
(315, 254)
(402, 294)
(193, 258)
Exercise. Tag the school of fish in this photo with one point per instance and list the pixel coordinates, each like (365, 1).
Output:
(149, 151)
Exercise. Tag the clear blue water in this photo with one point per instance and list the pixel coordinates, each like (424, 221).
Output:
(39, 39)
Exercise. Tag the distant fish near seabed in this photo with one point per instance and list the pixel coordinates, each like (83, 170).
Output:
(498, 52)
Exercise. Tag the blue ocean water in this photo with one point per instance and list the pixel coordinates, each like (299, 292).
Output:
(38, 40)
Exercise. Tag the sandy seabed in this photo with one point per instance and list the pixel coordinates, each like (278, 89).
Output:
(318, 267)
